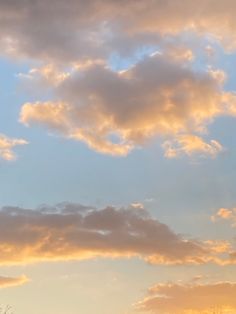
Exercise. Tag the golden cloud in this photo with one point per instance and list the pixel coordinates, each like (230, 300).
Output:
(228, 214)
(114, 112)
(190, 144)
(6, 147)
(74, 232)
(194, 298)
(6, 282)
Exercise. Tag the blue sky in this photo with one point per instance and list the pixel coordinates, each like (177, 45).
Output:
(125, 116)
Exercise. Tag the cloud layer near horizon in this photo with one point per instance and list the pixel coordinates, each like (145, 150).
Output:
(194, 298)
(74, 232)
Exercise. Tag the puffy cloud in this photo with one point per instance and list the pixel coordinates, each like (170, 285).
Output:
(59, 30)
(190, 298)
(6, 146)
(225, 214)
(77, 29)
(114, 112)
(74, 232)
(6, 282)
(206, 17)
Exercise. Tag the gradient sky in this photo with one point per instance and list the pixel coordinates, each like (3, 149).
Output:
(118, 156)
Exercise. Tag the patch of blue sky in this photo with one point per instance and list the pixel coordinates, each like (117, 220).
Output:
(10, 97)
(216, 58)
(119, 63)
(227, 62)
(52, 169)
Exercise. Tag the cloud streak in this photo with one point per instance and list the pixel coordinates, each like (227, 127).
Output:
(6, 282)
(73, 232)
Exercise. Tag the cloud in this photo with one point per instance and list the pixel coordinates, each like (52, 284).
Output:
(74, 232)
(74, 29)
(115, 112)
(206, 17)
(111, 112)
(59, 30)
(6, 282)
(190, 298)
(228, 214)
(6, 147)
(191, 144)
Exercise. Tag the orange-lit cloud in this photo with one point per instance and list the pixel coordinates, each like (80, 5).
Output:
(228, 214)
(7, 145)
(114, 112)
(194, 298)
(6, 282)
(191, 144)
(73, 232)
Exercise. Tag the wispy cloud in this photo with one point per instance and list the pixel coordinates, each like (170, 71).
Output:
(7, 145)
(6, 282)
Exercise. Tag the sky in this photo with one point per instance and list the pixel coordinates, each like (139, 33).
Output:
(117, 156)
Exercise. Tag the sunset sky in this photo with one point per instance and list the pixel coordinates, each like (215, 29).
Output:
(118, 156)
